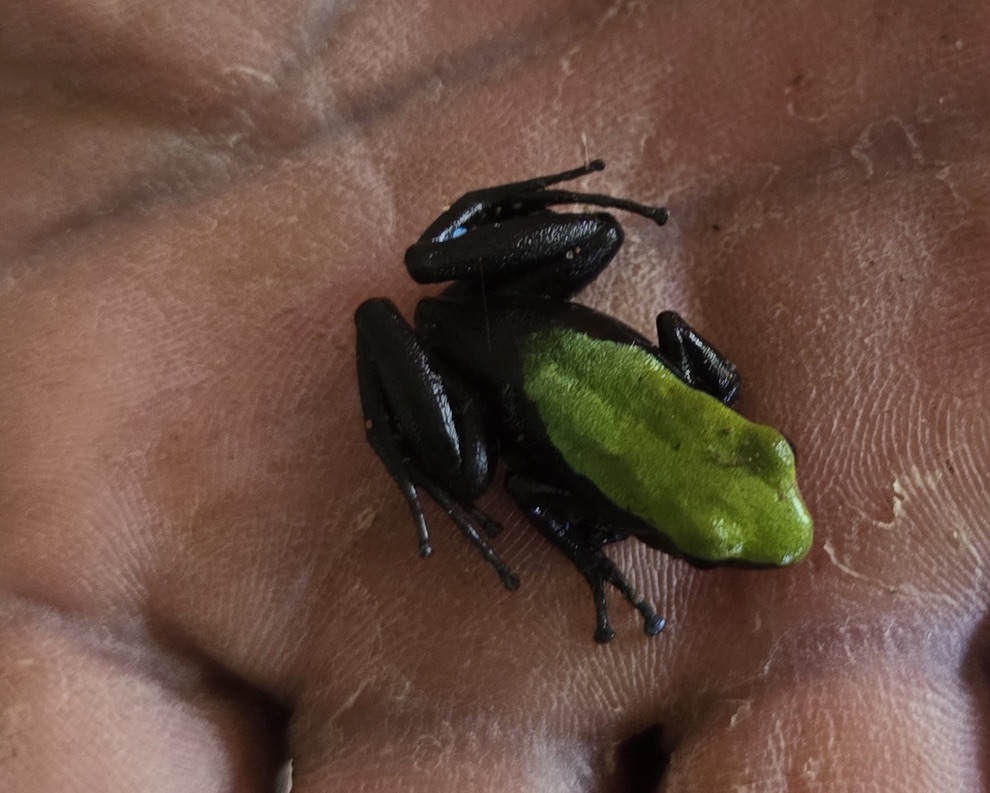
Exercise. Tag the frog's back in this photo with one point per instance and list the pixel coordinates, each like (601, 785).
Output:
(717, 486)
(704, 480)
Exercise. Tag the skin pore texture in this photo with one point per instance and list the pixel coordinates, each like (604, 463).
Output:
(205, 570)
(721, 487)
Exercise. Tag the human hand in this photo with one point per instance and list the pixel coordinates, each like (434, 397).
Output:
(203, 567)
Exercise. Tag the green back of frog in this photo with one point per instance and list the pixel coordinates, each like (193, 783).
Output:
(719, 487)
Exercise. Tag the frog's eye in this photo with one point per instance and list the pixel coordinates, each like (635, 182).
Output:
(460, 231)
(793, 447)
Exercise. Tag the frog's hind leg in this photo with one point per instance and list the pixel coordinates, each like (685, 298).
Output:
(507, 237)
(467, 518)
(425, 428)
(558, 516)
(500, 202)
(552, 254)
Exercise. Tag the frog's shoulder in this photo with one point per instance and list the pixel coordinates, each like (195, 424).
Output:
(491, 335)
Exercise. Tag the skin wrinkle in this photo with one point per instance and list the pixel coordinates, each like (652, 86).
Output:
(188, 454)
(838, 733)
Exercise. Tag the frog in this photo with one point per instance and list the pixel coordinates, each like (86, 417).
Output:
(603, 434)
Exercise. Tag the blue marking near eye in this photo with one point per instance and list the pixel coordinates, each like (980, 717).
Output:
(460, 231)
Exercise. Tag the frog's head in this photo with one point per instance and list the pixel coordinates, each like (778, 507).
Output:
(738, 501)
(756, 516)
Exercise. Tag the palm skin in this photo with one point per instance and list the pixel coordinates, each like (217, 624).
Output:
(204, 569)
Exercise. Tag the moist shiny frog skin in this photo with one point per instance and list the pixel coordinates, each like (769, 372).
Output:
(605, 435)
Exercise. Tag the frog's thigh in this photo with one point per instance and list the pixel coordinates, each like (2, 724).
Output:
(410, 408)
(553, 254)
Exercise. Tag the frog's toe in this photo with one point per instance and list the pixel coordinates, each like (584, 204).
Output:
(653, 625)
(510, 580)
(604, 634)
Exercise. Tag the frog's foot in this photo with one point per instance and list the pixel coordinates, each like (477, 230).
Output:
(472, 521)
(553, 511)
(653, 623)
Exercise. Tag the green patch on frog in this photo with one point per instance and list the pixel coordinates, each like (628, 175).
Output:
(721, 487)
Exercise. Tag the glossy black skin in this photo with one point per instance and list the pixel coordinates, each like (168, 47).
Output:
(442, 400)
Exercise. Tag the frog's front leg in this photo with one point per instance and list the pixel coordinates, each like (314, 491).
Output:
(695, 360)
(574, 530)
(425, 426)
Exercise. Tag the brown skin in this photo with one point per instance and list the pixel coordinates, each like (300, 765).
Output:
(201, 561)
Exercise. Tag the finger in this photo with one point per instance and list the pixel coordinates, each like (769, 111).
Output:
(82, 711)
(905, 729)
